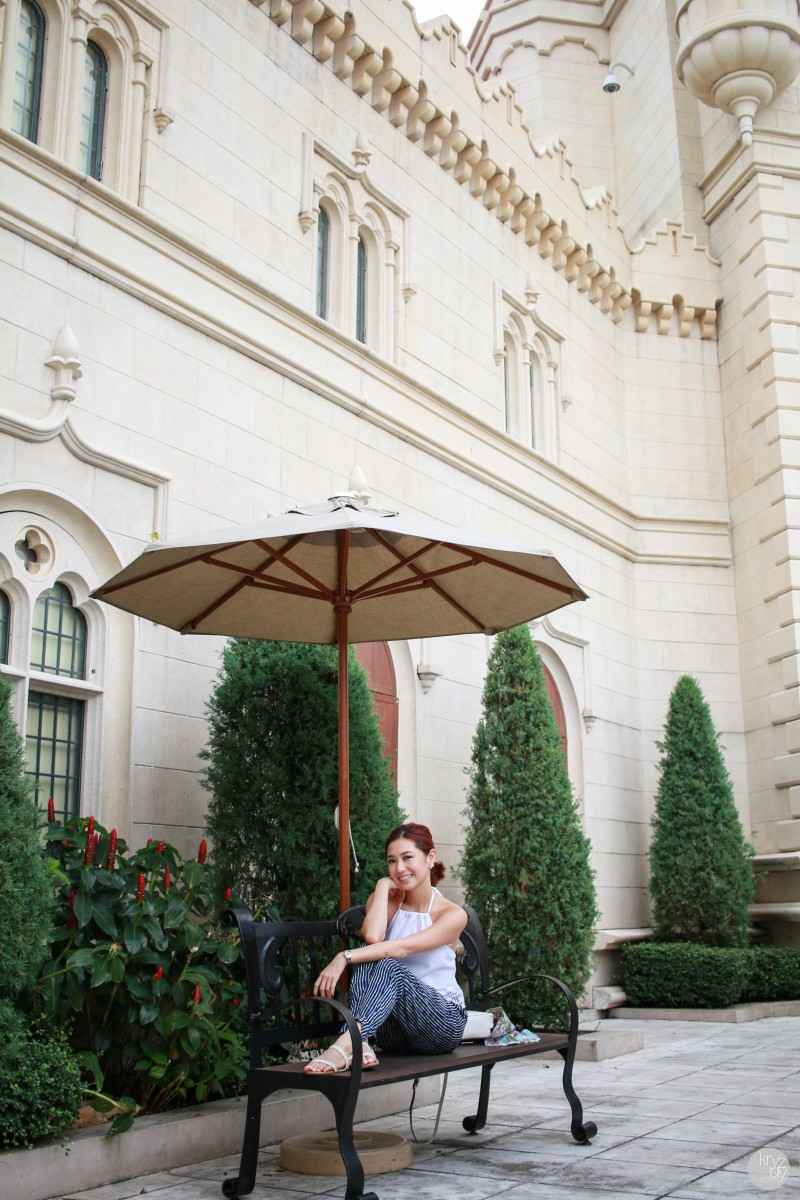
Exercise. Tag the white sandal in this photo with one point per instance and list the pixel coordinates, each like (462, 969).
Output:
(324, 1066)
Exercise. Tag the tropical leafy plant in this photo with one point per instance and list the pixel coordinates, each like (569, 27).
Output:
(140, 975)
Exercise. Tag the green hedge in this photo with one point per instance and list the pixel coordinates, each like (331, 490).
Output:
(40, 1084)
(685, 975)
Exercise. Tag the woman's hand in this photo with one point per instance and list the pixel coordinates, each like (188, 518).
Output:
(326, 983)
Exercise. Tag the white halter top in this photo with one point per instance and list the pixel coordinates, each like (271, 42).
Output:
(436, 967)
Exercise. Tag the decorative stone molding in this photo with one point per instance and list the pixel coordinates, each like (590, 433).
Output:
(66, 365)
(738, 57)
(389, 79)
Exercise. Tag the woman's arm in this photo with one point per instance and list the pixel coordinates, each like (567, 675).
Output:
(381, 907)
(445, 929)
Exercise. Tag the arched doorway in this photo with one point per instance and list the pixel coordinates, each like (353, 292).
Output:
(376, 659)
(557, 705)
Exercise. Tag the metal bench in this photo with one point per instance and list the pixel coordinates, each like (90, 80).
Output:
(282, 961)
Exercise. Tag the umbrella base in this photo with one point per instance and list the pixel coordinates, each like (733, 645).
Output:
(318, 1153)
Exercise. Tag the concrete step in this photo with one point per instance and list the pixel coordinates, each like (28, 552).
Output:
(735, 1014)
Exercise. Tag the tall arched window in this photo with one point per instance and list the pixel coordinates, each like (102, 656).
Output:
(557, 705)
(95, 84)
(54, 728)
(361, 291)
(537, 398)
(323, 261)
(376, 659)
(5, 626)
(28, 71)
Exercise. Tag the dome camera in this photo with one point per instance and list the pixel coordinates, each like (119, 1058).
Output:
(611, 84)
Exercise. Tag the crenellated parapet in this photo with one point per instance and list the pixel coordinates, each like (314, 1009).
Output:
(419, 77)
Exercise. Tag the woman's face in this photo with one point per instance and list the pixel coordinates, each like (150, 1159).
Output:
(408, 865)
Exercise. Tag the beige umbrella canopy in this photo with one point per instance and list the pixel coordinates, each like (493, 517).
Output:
(337, 573)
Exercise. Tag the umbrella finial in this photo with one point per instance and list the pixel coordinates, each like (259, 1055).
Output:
(358, 485)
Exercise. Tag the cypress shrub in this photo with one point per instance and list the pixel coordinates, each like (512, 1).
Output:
(40, 1088)
(701, 878)
(26, 895)
(526, 863)
(273, 775)
(684, 975)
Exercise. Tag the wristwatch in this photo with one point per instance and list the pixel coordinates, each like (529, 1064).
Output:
(348, 955)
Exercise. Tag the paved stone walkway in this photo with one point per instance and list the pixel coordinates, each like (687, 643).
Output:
(679, 1119)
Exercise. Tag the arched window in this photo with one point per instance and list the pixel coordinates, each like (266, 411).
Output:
(537, 397)
(361, 291)
(5, 626)
(323, 261)
(58, 642)
(93, 112)
(54, 728)
(511, 380)
(28, 71)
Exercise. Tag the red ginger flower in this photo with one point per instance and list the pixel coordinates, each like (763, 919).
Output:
(158, 974)
(160, 848)
(111, 857)
(166, 878)
(202, 851)
(197, 993)
(140, 889)
(91, 841)
(228, 893)
(51, 811)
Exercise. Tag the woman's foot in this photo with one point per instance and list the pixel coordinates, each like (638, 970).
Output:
(340, 1060)
(369, 1058)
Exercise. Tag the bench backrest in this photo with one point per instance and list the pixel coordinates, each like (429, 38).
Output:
(283, 959)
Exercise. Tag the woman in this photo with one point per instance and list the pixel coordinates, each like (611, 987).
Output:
(403, 985)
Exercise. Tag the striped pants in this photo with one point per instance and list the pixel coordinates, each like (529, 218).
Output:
(401, 1012)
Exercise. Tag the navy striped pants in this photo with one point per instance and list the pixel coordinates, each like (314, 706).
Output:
(401, 1012)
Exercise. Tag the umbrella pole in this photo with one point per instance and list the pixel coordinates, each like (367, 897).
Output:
(344, 760)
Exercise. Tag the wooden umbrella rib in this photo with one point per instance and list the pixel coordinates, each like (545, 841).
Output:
(568, 589)
(407, 585)
(403, 561)
(427, 581)
(282, 557)
(185, 562)
(218, 603)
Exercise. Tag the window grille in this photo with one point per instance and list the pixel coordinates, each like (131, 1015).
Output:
(54, 747)
(95, 85)
(58, 636)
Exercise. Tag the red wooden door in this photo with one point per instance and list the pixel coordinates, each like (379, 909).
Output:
(376, 660)
(557, 705)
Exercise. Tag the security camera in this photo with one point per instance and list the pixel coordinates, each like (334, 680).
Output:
(611, 84)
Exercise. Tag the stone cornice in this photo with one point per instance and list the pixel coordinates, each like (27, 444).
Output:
(451, 115)
(99, 232)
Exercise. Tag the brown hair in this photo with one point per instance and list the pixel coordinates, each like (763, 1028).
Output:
(421, 836)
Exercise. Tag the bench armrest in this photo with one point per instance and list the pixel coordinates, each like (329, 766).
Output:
(573, 1007)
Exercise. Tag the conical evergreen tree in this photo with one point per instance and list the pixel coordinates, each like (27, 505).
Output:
(26, 895)
(701, 879)
(273, 773)
(526, 863)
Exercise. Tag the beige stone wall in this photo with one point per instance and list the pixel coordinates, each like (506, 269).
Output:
(211, 392)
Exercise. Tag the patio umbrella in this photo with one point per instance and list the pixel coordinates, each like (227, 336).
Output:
(340, 572)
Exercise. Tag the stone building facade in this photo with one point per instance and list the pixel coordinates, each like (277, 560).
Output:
(249, 245)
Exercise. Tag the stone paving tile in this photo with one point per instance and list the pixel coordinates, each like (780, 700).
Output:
(680, 1154)
(126, 1188)
(423, 1185)
(712, 1132)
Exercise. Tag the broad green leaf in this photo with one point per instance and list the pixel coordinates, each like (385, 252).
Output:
(83, 908)
(148, 1013)
(81, 958)
(101, 973)
(175, 912)
(106, 920)
(134, 937)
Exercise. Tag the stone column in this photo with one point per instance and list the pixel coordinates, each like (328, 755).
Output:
(78, 38)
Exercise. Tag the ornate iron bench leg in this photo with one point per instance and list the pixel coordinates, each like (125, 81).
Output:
(244, 1183)
(581, 1132)
(473, 1124)
(344, 1108)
